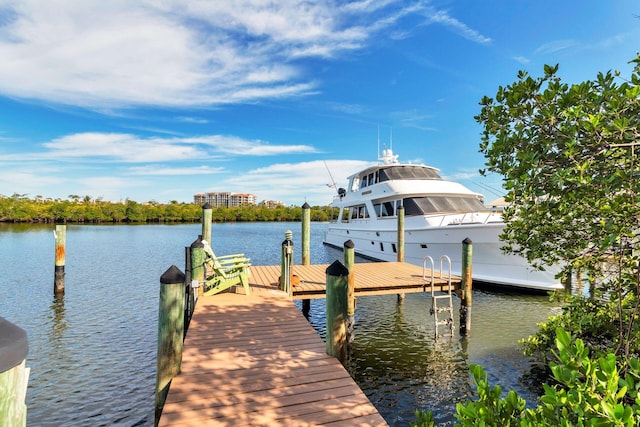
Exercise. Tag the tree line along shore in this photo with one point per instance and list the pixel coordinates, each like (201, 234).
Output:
(21, 209)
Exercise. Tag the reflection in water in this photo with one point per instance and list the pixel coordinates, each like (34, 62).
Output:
(401, 367)
(92, 352)
(58, 323)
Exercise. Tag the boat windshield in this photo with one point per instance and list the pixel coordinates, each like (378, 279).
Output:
(407, 172)
(438, 204)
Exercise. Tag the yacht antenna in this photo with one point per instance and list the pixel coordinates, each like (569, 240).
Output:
(378, 141)
(333, 182)
(391, 139)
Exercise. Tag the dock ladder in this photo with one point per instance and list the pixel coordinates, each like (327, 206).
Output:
(446, 297)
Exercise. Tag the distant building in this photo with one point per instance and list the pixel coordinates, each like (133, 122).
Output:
(224, 199)
(271, 203)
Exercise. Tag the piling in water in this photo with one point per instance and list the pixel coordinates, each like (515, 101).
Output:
(349, 260)
(336, 311)
(467, 287)
(170, 333)
(306, 234)
(400, 249)
(60, 235)
(207, 219)
(306, 249)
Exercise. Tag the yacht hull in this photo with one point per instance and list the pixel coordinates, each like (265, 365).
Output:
(489, 263)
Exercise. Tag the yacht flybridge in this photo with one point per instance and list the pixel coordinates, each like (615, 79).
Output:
(439, 215)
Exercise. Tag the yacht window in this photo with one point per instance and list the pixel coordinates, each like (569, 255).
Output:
(435, 204)
(408, 172)
(387, 208)
(371, 179)
(359, 212)
(355, 184)
(377, 208)
(364, 182)
(376, 179)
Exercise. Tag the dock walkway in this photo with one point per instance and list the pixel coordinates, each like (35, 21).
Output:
(371, 278)
(256, 361)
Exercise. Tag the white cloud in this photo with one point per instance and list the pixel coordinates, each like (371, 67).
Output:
(238, 146)
(162, 170)
(122, 147)
(442, 17)
(281, 181)
(415, 119)
(555, 46)
(522, 59)
(135, 149)
(114, 54)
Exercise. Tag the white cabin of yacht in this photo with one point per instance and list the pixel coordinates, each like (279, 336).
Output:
(376, 193)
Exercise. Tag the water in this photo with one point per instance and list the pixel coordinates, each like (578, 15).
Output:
(92, 352)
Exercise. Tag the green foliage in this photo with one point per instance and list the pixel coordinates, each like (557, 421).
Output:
(595, 321)
(567, 154)
(424, 419)
(490, 409)
(564, 153)
(589, 392)
(19, 208)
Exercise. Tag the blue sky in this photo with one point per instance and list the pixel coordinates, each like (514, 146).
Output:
(160, 100)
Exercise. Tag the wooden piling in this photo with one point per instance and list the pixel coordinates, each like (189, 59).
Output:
(60, 235)
(336, 311)
(207, 219)
(170, 333)
(194, 269)
(306, 234)
(467, 287)
(306, 248)
(286, 264)
(306, 308)
(400, 248)
(197, 263)
(349, 260)
(14, 375)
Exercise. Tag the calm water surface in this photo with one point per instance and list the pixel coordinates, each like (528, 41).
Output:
(92, 352)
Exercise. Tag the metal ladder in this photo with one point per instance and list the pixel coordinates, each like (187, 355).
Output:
(446, 297)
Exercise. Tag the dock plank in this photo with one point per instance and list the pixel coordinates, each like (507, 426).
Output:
(255, 360)
(375, 278)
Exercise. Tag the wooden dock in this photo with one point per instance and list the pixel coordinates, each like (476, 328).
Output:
(371, 278)
(256, 361)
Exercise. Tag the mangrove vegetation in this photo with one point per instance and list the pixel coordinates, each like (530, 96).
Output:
(568, 157)
(20, 208)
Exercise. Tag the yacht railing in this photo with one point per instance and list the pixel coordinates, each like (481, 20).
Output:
(470, 218)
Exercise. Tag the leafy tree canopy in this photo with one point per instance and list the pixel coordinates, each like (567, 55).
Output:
(567, 155)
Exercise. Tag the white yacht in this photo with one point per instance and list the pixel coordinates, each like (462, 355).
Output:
(439, 215)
